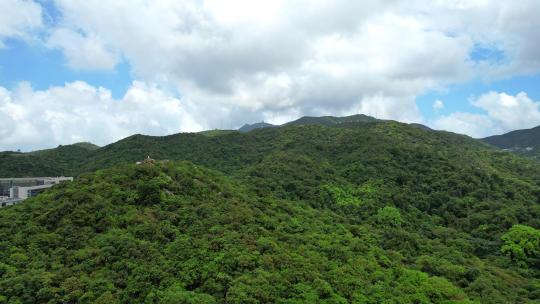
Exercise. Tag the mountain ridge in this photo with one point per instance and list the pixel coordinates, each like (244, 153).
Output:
(524, 142)
(258, 125)
(74, 160)
(363, 212)
(312, 120)
(86, 157)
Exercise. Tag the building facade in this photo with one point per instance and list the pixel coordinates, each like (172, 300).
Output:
(15, 190)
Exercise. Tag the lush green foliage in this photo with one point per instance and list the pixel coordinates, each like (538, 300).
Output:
(389, 217)
(309, 120)
(87, 145)
(361, 213)
(522, 244)
(331, 120)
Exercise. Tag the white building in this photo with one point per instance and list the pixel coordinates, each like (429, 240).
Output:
(9, 202)
(20, 189)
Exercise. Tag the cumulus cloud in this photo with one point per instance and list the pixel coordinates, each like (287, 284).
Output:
(83, 52)
(238, 61)
(80, 112)
(475, 125)
(506, 26)
(307, 57)
(18, 19)
(311, 56)
(510, 112)
(504, 113)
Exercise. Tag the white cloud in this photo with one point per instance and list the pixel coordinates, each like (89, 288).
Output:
(18, 19)
(241, 61)
(310, 57)
(510, 112)
(438, 105)
(31, 119)
(505, 25)
(503, 113)
(83, 52)
(307, 57)
(475, 125)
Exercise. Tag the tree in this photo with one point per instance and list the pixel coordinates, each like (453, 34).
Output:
(521, 243)
(176, 294)
(389, 217)
(148, 192)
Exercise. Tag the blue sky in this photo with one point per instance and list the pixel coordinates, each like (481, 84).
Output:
(43, 68)
(457, 96)
(88, 71)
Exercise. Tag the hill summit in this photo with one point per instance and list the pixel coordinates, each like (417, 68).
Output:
(310, 120)
(259, 125)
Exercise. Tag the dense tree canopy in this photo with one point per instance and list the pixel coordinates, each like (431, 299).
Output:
(361, 213)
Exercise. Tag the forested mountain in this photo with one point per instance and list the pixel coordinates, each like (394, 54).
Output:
(311, 120)
(86, 157)
(524, 142)
(259, 125)
(331, 120)
(62, 160)
(87, 145)
(375, 212)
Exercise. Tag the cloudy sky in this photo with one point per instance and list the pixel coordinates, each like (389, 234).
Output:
(94, 70)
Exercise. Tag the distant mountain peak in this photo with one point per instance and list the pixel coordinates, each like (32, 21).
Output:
(259, 125)
(86, 145)
(516, 139)
(525, 142)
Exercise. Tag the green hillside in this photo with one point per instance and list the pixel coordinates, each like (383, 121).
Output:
(331, 120)
(255, 126)
(87, 145)
(222, 150)
(522, 142)
(63, 160)
(213, 133)
(378, 212)
(179, 233)
(327, 121)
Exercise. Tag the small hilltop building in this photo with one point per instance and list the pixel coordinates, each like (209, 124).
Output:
(147, 160)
